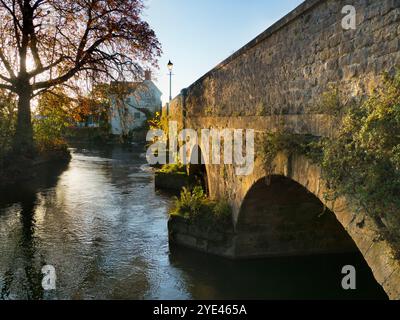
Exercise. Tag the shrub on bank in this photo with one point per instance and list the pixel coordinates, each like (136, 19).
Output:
(177, 168)
(195, 206)
(90, 135)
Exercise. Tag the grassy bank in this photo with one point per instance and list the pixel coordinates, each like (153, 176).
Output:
(196, 207)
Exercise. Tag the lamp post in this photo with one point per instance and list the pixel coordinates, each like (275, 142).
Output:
(170, 67)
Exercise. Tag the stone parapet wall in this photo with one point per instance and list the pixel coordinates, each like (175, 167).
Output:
(287, 68)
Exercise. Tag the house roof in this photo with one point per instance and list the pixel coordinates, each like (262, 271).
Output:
(125, 85)
(129, 87)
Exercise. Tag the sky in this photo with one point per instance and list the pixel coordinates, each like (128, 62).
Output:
(196, 35)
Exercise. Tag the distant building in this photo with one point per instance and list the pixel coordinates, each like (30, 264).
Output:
(132, 103)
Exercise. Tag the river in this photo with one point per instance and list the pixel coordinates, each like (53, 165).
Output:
(103, 227)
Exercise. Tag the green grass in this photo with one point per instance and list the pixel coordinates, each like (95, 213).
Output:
(174, 169)
(195, 206)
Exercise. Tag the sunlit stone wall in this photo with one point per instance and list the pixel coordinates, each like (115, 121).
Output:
(287, 68)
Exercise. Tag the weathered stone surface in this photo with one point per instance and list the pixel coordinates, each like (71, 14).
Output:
(286, 68)
(276, 82)
(392, 290)
(207, 239)
(173, 182)
(283, 69)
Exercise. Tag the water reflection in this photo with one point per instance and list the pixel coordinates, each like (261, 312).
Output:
(312, 277)
(24, 266)
(104, 228)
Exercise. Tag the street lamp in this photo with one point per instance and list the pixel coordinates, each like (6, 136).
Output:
(170, 67)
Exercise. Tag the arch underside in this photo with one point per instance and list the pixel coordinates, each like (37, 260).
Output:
(198, 169)
(286, 219)
(279, 217)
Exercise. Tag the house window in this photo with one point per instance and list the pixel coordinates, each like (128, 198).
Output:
(137, 115)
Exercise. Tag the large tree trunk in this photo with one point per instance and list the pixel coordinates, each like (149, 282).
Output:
(23, 139)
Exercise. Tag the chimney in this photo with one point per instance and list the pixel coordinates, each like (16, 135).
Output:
(147, 75)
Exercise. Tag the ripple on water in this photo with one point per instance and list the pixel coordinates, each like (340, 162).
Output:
(104, 228)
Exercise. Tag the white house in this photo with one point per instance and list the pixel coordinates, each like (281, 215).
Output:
(132, 103)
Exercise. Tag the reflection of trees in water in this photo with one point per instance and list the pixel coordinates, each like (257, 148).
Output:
(26, 196)
(30, 277)
(28, 246)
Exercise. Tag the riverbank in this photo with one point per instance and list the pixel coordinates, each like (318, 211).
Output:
(19, 169)
(175, 177)
(172, 182)
(102, 136)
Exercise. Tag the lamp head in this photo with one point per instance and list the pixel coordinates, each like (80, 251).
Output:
(170, 65)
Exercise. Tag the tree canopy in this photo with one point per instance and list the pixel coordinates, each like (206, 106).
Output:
(53, 41)
(47, 43)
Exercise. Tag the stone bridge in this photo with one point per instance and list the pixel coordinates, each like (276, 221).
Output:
(276, 81)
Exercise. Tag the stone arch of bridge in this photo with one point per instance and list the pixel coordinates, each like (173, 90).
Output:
(286, 213)
(197, 167)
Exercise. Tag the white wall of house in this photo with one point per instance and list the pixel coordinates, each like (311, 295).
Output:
(125, 116)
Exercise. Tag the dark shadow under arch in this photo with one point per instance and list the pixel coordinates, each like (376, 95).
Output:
(279, 217)
(197, 168)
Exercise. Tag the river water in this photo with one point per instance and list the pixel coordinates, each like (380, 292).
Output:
(103, 227)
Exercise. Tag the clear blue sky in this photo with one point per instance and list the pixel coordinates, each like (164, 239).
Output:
(198, 34)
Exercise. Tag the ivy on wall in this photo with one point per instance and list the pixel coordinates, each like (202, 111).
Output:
(362, 160)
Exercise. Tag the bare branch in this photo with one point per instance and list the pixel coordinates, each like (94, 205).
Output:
(12, 12)
(6, 86)
(6, 64)
(42, 69)
(70, 39)
(37, 4)
(5, 79)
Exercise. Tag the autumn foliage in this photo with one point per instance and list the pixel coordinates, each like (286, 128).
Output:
(48, 43)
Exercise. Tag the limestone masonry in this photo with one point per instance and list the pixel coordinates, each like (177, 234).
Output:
(277, 79)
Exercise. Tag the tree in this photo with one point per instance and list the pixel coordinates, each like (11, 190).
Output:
(7, 120)
(53, 116)
(94, 104)
(48, 43)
